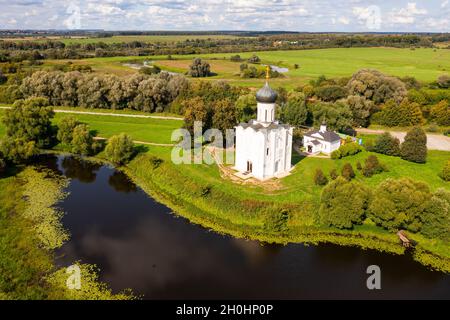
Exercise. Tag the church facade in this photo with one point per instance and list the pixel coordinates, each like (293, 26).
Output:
(264, 145)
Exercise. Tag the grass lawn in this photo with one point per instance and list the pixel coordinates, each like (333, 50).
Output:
(424, 64)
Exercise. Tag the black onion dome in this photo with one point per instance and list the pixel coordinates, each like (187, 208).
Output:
(266, 94)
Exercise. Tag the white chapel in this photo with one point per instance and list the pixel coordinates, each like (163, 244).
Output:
(264, 145)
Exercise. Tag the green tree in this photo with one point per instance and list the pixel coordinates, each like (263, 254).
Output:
(333, 174)
(66, 128)
(246, 107)
(372, 166)
(337, 115)
(361, 109)
(254, 59)
(197, 110)
(343, 203)
(445, 174)
(199, 69)
(319, 178)
(225, 115)
(414, 148)
(330, 93)
(436, 218)
(82, 140)
(277, 222)
(295, 111)
(120, 149)
(387, 144)
(30, 120)
(444, 81)
(400, 204)
(347, 172)
(18, 150)
(399, 115)
(440, 113)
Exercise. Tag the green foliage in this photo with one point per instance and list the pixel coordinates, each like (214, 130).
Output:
(345, 150)
(372, 166)
(387, 144)
(246, 107)
(197, 110)
(347, 172)
(120, 149)
(225, 115)
(330, 93)
(319, 178)
(18, 150)
(440, 113)
(254, 59)
(82, 140)
(295, 112)
(334, 174)
(343, 203)
(404, 114)
(358, 166)
(199, 68)
(445, 174)
(65, 129)
(361, 109)
(443, 81)
(414, 148)
(436, 217)
(277, 222)
(338, 116)
(29, 120)
(400, 204)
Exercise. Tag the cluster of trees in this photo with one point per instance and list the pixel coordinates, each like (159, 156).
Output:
(139, 92)
(199, 69)
(413, 148)
(393, 205)
(256, 72)
(347, 149)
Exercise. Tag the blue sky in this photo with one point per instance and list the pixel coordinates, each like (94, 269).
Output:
(299, 15)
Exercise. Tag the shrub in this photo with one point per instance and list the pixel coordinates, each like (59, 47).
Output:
(445, 174)
(277, 222)
(414, 148)
(254, 59)
(319, 178)
(358, 166)
(444, 81)
(65, 129)
(336, 154)
(440, 113)
(343, 203)
(399, 204)
(387, 144)
(120, 149)
(345, 150)
(347, 172)
(372, 166)
(18, 150)
(82, 140)
(333, 174)
(399, 115)
(436, 217)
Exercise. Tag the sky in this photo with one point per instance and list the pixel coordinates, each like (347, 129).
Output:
(198, 15)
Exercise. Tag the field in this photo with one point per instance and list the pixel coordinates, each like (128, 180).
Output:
(423, 64)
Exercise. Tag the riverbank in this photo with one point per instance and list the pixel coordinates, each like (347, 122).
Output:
(230, 210)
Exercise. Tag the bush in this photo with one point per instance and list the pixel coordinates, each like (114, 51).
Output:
(372, 166)
(440, 113)
(387, 144)
(358, 166)
(444, 81)
(343, 204)
(82, 140)
(336, 154)
(404, 114)
(18, 150)
(445, 174)
(414, 148)
(65, 129)
(319, 178)
(400, 204)
(254, 59)
(277, 222)
(333, 174)
(436, 218)
(347, 172)
(345, 150)
(120, 149)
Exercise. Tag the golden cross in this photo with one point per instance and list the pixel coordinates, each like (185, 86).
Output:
(267, 72)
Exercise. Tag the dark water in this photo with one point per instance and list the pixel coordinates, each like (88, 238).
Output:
(139, 244)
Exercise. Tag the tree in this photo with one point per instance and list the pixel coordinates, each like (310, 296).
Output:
(254, 59)
(400, 204)
(30, 120)
(361, 109)
(404, 114)
(295, 111)
(18, 150)
(414, 148)
(387, 144)
(196, 110)
(246, 107)
(82, 140)
(199, 68)
(343, 203)
(440, 113)
(444, 81)
(337, 115)
(376, 86)
(330, 93)
(372, 166)
(120, 149)
(225, 115)
(319, 178)
(445, 174)
(347, 172)
(436, 217)
(66, 128)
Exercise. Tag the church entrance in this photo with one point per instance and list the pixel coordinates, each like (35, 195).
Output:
(310, 148)
(249, 166)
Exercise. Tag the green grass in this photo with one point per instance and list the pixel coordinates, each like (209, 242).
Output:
(423, 64)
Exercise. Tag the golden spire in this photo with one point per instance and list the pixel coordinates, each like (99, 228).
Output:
(267, 73)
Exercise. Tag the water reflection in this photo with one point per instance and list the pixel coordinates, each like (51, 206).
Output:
(139, 244)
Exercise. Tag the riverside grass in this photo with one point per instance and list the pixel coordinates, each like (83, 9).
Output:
(241, 211)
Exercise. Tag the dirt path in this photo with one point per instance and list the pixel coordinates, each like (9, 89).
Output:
(112, 114)
(435, 141)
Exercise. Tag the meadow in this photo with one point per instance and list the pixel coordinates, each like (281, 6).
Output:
(422, 63)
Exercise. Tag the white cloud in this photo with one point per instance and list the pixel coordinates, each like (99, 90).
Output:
(406, 15)
(344, 20)
(444, 4)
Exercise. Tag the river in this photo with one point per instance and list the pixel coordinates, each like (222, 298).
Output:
(138, 243)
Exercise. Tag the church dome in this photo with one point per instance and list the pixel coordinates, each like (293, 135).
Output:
(266, 94)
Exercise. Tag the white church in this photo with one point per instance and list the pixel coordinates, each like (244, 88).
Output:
(264, 145)
(321, 141)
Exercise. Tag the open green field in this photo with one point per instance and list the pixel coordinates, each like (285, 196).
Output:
(423, 64)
